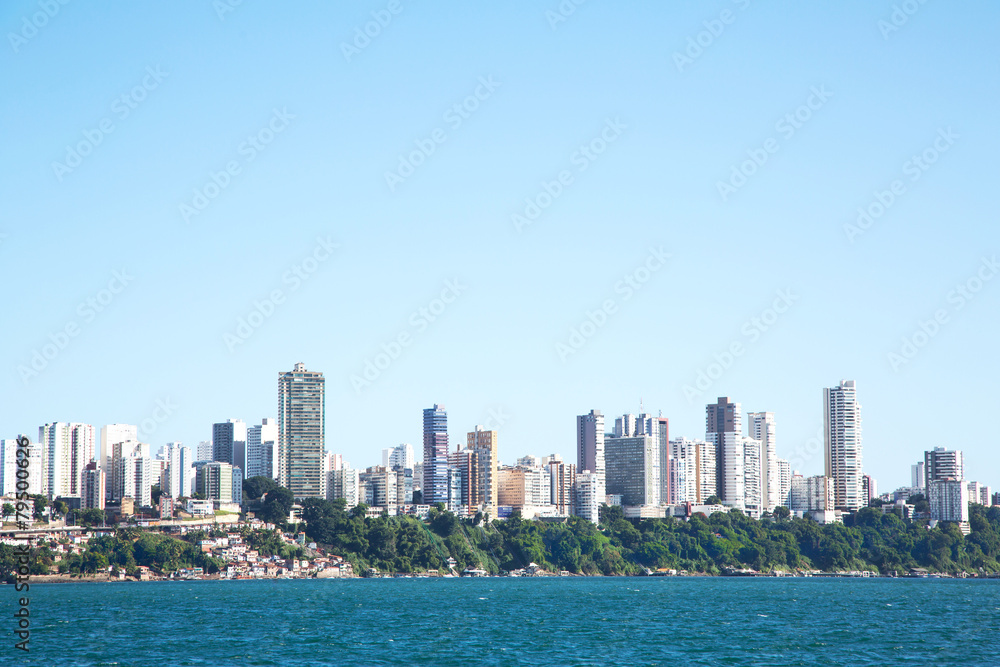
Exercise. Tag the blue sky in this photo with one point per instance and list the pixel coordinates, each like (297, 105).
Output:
(199, 83)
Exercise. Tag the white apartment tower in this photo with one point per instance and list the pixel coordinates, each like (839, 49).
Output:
(262, 449)
(724, 430)
(68, 448)
(842, 436)
(111, 434)
(761, 427)
(178, 474)
(941, 463)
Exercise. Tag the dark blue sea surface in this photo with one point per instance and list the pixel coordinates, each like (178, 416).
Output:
(559, 621)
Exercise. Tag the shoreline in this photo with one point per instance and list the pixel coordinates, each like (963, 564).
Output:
(67, 579)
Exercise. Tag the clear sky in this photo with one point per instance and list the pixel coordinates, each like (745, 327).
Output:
(201, 153)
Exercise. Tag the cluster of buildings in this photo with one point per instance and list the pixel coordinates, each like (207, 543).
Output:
(632, 462)
(239, 559)
(940, 479)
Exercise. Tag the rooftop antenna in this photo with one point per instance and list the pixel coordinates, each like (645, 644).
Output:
(640, 405)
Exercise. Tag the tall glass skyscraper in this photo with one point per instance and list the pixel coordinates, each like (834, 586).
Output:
(301, 431)
(435, 485)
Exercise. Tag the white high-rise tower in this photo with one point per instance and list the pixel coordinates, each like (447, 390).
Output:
(761, 426)
(842, 428)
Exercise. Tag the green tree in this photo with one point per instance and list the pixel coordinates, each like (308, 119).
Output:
(276, 505)
(40, 504)
(255, 487)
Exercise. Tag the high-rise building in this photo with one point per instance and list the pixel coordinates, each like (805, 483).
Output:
(204, 452)
(918, 475)
(215, 481)
(33, 476)
(68, 448)
(136, 475)
(785, 482)
(119, 486)
(454, 503)
(400, 456)
(228, 437)
(589, 494)
(436, 477)
(985, 495)
(92, 492)
(111, 434)
(692, 467)
(753, 485)
(996, 498)
(529, 461)
(842, 439)
(810, 494)
(761, 427)
(633, 468)
(485, 444)
(625, 426)
(949, 499)
(869, 489)
(178, 474)
(343, 483)
(975, 492)
(262, 449)
(666, 476)
(467, 462)
(724, 429)
(682, 470)
(380, 486)
(590, 453)
(336, 462)
(301, 430)
(941, 463)
(562, 485)
(8, 467)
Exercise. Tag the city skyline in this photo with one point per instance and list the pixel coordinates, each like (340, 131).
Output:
(755, 438)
